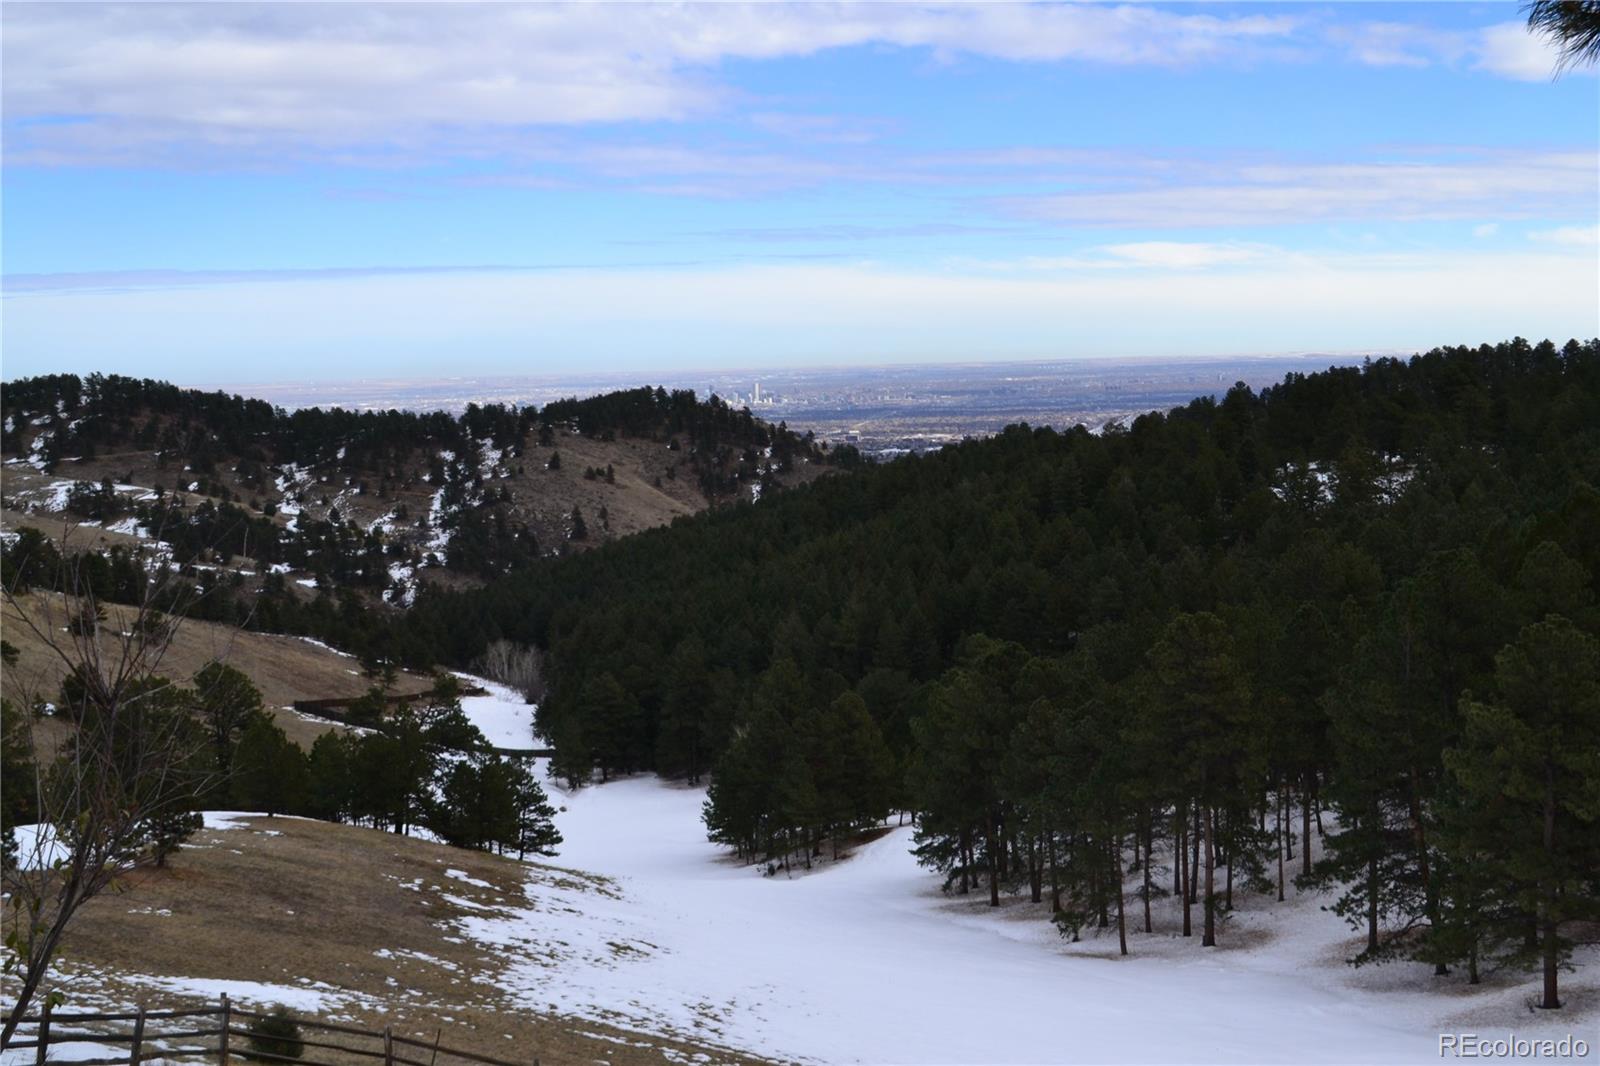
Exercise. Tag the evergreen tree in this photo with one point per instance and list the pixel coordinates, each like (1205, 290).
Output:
(228, 702)
(1532, 751)
(1210, 726)
(269, 770)
(330, 789)
(535, 829)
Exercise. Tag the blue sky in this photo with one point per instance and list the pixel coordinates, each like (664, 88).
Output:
(229, 193)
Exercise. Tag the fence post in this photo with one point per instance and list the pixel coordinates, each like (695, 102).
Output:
(388, 1045)
(138, 1039)
(227, 1018)
(44, 1031)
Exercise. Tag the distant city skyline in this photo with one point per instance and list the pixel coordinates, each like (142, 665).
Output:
(227, 193)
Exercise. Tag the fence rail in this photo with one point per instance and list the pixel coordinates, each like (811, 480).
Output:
(231, 1041)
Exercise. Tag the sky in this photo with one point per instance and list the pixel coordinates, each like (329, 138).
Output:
(229, 192)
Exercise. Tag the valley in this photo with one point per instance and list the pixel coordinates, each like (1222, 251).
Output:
(648, 944)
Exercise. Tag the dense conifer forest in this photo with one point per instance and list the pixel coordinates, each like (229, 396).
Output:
(1361, 603)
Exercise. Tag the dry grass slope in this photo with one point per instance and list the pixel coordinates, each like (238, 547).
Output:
(285, 669)
(288, 901)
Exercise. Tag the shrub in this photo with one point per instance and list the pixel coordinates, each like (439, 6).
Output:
(276, 1033)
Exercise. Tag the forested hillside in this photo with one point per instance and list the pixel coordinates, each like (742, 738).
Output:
(1365, 595)
(370, 504)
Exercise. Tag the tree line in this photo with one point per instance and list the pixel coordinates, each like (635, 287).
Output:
(427, 767)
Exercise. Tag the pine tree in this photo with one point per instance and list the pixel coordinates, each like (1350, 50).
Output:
(269, 770)
(330, 793)
(536, 831)
(228, 701)
(1207, 699)
(1533, 749)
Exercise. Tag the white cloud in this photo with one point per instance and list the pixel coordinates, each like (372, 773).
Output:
(1271, 193)
(804, 314)
(1510, 51)
(1578, 236)
(1486, 229)
(1183, 255)
(1132, 256)
(1506, 49)
(1396, 44)
(242, 79)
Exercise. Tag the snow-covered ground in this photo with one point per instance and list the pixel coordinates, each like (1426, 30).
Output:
(867, 961)
(503, 716)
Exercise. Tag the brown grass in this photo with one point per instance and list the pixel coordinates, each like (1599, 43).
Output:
(283, 901)
(285, 669)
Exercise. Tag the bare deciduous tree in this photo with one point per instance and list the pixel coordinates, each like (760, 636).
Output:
(520, 666)
(108, 801)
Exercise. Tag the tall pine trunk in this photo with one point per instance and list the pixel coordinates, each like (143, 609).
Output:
(1305, 827)
(992, 845)
(1055, 874)
(1194, 858)
(1547, 892)
(1116, 873)
(1227, 892)
(1277, 825)
(1149, 832)
(1372, 904)
(1187, 875)
(1430, 891)
(1209, 940)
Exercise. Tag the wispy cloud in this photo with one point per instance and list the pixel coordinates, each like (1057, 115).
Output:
(1147, 256)
(1551, 184)
(1578, 236)
(850, 232)
(1505, 49)
(149, 82)
(136, 280)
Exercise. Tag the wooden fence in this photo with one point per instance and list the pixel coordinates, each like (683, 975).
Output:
(221, 1034)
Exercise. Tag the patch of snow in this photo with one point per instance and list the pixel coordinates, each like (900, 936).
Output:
(403, 574)
(309, 997)
(439, 540)
(38, 846)
(326, 647)
(235, 820)
(503, 716)
(462, 875)
(74, 1052)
